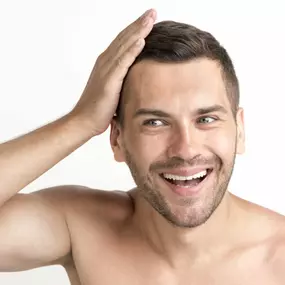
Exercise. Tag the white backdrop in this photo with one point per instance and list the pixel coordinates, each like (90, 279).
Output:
(48, 48)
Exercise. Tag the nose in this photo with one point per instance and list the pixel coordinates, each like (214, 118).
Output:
(185, 143)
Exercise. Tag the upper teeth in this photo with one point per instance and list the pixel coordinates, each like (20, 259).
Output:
(178, 177)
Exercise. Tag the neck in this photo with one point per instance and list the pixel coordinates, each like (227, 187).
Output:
(187, 244)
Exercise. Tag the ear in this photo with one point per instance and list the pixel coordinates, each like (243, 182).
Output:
(240, 131)
(116, 141)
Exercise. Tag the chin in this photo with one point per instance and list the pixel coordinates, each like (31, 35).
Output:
(186, 212)
(189, 217)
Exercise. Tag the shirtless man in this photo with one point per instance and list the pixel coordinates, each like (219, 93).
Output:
(178, 126)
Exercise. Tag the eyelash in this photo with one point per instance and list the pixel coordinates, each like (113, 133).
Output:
(205, 117)
(152, 120)
(165, 123)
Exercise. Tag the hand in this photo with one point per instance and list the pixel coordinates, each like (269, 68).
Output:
(100, 97)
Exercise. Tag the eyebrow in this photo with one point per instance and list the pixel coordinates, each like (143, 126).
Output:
(210, 109)
(153, 112)
(159, 113)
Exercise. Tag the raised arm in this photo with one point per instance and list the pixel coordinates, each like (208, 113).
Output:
(33, 227)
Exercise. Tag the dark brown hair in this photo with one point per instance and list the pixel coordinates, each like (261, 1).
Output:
(171, 41)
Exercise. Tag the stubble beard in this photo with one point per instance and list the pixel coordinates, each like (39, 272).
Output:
(187, 212)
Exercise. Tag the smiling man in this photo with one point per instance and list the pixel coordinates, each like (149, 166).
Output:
(178, 126)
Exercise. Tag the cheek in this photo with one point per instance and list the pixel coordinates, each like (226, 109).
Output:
(147, 148)
(223, 143)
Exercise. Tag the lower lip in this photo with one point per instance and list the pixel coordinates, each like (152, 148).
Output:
(188, 191)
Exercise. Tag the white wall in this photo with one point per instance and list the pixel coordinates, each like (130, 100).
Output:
(47, 49)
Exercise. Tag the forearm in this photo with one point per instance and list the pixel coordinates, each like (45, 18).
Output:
(24, 159)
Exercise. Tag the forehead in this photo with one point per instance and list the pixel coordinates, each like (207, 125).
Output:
(175, 86)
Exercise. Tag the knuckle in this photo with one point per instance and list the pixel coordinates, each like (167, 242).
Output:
(120, 37)
(100, 57)
(122, 47)
(118, 62)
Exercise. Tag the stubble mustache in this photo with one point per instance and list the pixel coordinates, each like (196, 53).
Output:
(197, 161)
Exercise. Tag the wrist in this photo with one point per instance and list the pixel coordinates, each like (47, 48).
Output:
(81, 124)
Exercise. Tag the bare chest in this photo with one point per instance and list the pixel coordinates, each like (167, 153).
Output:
(137, 266)
(125, 276)
(113, 253)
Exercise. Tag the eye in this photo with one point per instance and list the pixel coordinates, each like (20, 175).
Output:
(206, 120)
(154, 123)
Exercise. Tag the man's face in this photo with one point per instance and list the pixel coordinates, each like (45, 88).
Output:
(179, 137)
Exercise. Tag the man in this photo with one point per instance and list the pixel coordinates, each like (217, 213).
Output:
(178, 126)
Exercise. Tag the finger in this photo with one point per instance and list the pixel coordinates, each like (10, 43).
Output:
(141, 33)
(133, 26)
(122, 64)
(140, 28)
(139, 24)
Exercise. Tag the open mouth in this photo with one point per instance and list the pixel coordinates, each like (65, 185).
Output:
(186, 181)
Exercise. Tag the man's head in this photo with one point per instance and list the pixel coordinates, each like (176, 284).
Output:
(178, 115)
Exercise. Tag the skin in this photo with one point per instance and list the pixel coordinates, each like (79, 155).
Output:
(148, 235)
(180, 136)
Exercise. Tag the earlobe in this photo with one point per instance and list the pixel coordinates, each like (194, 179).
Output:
(116, 141)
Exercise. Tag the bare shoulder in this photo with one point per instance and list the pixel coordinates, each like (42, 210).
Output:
(92, 216)
(81, 201)
(274, 223)
(266, 220)
(266, 228)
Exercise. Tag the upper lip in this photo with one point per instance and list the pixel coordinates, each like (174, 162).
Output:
(186, 171)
